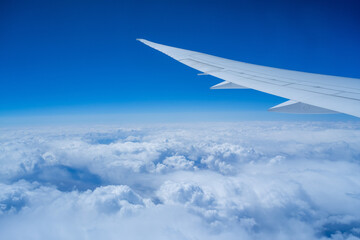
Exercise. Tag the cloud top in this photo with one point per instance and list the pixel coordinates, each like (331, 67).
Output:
(259, 180)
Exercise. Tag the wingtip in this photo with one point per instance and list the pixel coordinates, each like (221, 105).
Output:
(142, 41)
(146, 42)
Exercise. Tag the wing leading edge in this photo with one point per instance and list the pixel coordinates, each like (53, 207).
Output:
(308, 92)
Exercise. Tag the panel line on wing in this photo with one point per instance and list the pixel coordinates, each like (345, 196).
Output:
(300, 86)
(283, 78)
(204, 67)
(305, 88)
(207, 67)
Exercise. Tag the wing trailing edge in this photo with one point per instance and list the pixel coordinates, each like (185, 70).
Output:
(228, 85)
(292, 106)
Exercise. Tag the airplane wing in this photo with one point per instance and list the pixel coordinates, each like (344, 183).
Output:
(307, 92)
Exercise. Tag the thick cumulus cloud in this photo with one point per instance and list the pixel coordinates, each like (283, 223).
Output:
(262, 180)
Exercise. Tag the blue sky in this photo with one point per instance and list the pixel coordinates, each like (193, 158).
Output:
(81, 57)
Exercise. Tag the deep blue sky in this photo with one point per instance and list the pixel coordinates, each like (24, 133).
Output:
(81, 57)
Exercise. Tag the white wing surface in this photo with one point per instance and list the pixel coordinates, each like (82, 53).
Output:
(308, 92)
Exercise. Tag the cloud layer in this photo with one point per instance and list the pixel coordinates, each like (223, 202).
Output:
(262, 180)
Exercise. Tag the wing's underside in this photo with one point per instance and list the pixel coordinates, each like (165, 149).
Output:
(308, 92)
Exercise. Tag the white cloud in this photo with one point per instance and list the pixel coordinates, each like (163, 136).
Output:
(178, 162)
(264, 180)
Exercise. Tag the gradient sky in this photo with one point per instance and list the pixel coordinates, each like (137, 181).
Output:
(81, 57)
